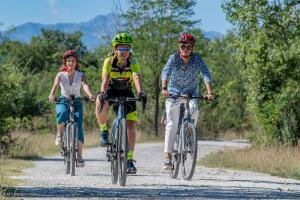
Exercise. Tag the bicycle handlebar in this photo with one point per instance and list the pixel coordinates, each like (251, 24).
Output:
(186, 97)
(122, 100)
(85, 98)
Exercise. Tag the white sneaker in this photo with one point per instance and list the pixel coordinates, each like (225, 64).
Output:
(58, 140)
(80, 163)
(167, 165)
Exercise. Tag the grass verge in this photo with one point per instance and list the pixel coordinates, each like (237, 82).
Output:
(36, 145)
(11, 167)
(277, 160)
(30, 146)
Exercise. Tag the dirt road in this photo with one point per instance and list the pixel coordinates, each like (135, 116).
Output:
(48, 181)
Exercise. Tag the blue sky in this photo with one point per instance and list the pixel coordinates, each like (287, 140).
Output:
(17, 12)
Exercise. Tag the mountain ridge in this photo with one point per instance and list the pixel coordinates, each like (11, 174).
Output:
(92, 30)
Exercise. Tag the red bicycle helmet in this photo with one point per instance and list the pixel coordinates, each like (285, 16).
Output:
(187, 38)
(70, 53)
(66, 55)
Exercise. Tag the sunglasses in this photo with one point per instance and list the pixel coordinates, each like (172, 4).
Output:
(186, 47)
(120, 49)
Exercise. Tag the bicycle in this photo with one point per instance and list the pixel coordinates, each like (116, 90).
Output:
(117, 149)
(185, 147)
(70, 136)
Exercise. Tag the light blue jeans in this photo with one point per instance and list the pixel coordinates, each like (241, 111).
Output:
(62, 115)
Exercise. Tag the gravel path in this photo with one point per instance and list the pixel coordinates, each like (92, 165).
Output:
(48, 181)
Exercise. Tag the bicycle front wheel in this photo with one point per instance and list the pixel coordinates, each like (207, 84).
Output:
(66, 149)
(73, 135)
(176, 157)
(123, 151)
(113, 155)
(189, 150)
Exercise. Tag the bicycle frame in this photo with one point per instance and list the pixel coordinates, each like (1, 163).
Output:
(70, 136)
(118, 142)
(181, 147)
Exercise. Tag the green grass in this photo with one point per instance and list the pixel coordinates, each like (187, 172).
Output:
(36, 145)
(276, 160)
(11, 167)
(30, 146)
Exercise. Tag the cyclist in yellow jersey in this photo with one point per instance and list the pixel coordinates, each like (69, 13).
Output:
(119, 73)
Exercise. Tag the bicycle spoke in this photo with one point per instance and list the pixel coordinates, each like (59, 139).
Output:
(189, 154)
(175, 158)
(123, 148)
(113, 156)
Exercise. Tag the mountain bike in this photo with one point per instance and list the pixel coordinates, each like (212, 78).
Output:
(70, 136)
(185, 148)
(117, 149)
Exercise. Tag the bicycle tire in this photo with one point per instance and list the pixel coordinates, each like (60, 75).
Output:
(73, 148)
(113, 156)
(122, 152)
(189, 150)
(66, 149)
(176, 158)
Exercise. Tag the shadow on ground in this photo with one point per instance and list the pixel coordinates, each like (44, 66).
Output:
(166, 192)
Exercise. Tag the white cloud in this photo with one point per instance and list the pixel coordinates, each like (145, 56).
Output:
(53, 7)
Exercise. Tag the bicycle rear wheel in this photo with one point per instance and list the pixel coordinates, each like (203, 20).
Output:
(176, 157)
(122, 152)
(189, 150)
(113, 156)
(73, 133)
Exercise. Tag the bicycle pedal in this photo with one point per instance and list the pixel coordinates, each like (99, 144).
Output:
(62, 152)
(108, 158)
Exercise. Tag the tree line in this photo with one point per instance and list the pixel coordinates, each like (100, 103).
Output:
(255, 70)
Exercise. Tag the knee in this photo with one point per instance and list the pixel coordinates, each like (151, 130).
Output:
(61, 116)
(104, 109)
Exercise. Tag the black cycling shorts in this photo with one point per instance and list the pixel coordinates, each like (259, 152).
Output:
(129, 106)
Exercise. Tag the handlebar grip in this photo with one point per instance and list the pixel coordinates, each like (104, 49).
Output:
(85, 98)
(204, 97)
(56, 99)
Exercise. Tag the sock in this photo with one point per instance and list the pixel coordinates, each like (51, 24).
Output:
(103, 127)
(130, 155)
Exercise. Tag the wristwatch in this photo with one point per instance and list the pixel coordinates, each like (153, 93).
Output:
(164, 88)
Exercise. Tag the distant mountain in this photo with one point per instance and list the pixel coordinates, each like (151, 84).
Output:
(92, 30)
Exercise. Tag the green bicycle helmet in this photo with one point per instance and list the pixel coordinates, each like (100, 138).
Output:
(122, 38)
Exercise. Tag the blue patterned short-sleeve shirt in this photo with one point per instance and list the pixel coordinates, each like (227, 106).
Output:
(184, 78)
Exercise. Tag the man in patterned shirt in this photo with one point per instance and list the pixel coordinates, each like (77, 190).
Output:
(180, 76)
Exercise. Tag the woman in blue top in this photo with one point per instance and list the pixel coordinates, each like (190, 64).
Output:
(180, 76)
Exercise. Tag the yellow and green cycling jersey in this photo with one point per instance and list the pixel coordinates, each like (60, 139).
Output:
(110, 67)
(121, 81)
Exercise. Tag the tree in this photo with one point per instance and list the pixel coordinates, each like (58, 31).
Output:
(228, 112)
(10, 85)
(155, 26)
(268, 50)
